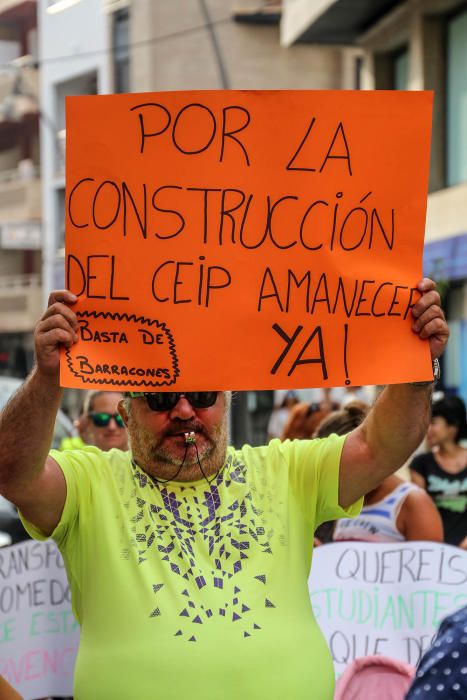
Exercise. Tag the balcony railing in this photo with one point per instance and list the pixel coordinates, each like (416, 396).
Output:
(19, 91)
(20, 199)
(16, 282)
(20, 302)
(13, 174)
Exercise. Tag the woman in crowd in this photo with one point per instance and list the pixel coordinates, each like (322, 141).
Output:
(443, 470)
(395, 511)
(280, 415)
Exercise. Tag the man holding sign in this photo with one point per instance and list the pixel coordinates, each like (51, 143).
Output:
(208, 249)
(188, 560)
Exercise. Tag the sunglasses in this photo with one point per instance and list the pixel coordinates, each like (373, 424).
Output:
(102, 420)
(167, 400)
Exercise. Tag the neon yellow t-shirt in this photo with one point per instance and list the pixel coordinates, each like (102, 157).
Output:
(190, 590)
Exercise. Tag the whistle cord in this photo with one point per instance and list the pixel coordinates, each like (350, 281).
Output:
(172, 478)
(208, 481)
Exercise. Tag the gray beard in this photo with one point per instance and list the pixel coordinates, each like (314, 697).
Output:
(157, 460)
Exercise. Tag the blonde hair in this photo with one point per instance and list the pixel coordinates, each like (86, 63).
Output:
(91, 397)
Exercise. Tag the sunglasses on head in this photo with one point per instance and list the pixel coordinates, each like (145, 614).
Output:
(167, 400)
(102, 419)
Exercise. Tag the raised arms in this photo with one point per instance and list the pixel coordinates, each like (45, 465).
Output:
(398, 421)
(28, 477)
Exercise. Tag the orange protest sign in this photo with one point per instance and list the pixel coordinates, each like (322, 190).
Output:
(246, 240)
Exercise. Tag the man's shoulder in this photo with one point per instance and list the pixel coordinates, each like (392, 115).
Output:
(249, 455)
(278, 449)
(247, 451)
(90, 458)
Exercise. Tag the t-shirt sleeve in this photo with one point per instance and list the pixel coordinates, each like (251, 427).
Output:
(314, 475)
(80, 469)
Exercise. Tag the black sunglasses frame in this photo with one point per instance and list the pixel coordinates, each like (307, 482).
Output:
(162, 401)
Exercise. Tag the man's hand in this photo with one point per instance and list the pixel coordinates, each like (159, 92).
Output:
(58, 326)
(430, 323)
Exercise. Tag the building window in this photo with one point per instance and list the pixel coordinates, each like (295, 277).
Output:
(60, 209)
(358, 70)
(121, 34)
(392, 69)
(456, 100)
(400, 70)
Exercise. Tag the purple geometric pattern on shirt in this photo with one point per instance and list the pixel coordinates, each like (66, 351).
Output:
(228, 534)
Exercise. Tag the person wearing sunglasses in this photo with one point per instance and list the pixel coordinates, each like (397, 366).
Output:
(184, 434)
(100, 423)
(188, 559)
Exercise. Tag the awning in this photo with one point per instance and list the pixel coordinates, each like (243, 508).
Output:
(342, 21)
(257, 11)
(446, 259)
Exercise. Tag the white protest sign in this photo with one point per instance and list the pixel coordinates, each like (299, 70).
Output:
(39, 636)
(384, 599)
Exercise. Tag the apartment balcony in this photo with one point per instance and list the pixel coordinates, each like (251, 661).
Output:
(18, 11)
(20, 195)
(20, 302)
(331, 21)
(19, 92)
(254, 12)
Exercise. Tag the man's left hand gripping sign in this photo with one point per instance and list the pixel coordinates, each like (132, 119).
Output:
(117, 333)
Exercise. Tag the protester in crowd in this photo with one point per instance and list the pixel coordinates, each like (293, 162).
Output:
(394, 511)
(443, 470)
(199, 553)
(280, 414)
(100, 424)
(305, 417)
(442, 671)
(302, 422)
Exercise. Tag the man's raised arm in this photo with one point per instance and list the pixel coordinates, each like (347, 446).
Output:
(398, 421)
(28, 477)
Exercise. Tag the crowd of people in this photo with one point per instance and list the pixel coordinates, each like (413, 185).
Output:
(425, 500)
(196, 536)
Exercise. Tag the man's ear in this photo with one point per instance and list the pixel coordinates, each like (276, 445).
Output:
(123, 412)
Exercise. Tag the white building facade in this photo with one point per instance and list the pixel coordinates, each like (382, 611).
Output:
(20, 186)
(74, 59)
